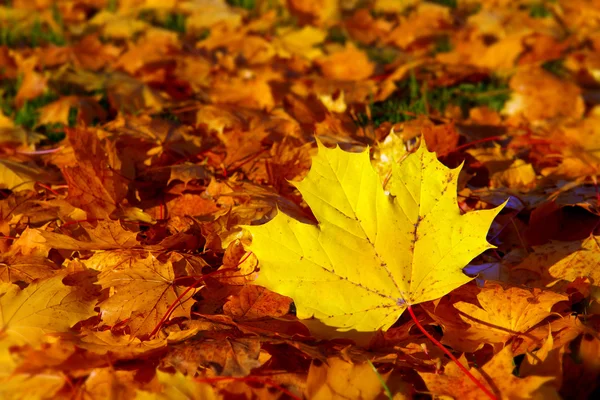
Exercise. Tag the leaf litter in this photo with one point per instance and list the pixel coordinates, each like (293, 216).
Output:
(240, 198)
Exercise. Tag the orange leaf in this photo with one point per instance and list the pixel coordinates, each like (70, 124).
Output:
(142, 294)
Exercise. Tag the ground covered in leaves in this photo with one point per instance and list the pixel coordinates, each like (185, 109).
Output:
(139, 137)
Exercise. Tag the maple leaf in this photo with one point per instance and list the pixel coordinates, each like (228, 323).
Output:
(44, 306)
(131, 95)
(111, 259)
(505, 313)
(539, 95)
(106, 383)
(187, 172)
(104, 236)
(34, 83)
(498, 370)
(546, 361)
(178, 386)
(348, 64)
(255, 302)
(59, 110)
(557, 262)
(14, 268)
(143, 294)
(19, 176)
(121, 347)
(95, 185)
(372, 254)
(302, 42)
(228, 357)
(25, 386)
(504, 169)
(340, 379)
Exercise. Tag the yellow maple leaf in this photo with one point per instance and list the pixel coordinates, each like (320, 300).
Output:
(373, 253)
(19, 176)
(34, 387)
(45, 306)
(340, 379)
(178, 386)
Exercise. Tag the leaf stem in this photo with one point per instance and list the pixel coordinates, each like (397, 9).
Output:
(447, 352)
(193, 286)
(473, 143)
(40, 152)
(173, 305)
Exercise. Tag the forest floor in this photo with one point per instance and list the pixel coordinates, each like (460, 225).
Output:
(143, 145)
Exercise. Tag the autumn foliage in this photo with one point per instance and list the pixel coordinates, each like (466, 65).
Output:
(275, 199)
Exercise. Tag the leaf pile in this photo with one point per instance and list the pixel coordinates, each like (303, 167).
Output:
(167, 179)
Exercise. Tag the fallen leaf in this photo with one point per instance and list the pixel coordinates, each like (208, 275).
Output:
(186, 120)
(88, 111)
(177, 386)
(118, 347)
(540, 96)
(318, 12)
(45, 306)
(16, 267)
(546, 361)
(103, 383)
(226, 357)
(340, 379)
(254, 302)
(505, 314)
(43, 386)
(94, 182)
(105, 235)
(577, 144)
(363, 228)
(142, 295)
(19, 176)
(130, 95)
(34, 83)
(207, 13)
(349, 64)
(496, 376)
(564, 261)
(506, 170)
(187, 172)
(302, 42)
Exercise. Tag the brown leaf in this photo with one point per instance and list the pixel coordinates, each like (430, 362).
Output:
(142, 295)
(255, 302)
(228, 357)
(95, 184)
